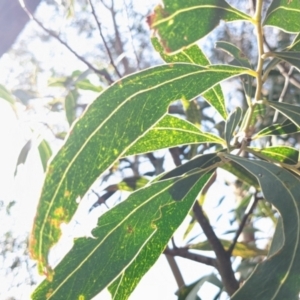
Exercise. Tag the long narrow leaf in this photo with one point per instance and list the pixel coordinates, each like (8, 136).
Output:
(231, 124)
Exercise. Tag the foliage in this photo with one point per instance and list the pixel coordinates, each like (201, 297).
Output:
(132, 117)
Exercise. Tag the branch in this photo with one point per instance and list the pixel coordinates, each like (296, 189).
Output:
(54, 35)
(184, 252)
(103, 39)
(175, 270)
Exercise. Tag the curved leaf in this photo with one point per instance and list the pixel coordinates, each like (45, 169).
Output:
(170, 132)
(137, 227)
(291, 57)
(70, 106)
(292, 112)
(284, 14)
(231, 124)
(106, 131)
(194, 54)
(45, 153)
(286, 127)
(181, 23)
(282, 189)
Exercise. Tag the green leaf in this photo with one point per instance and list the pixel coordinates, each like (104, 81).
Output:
(241, 249)
(194, 54)
(23, 155)
(179, 25)
(170, 132)
(189, 292)
(286, 127)
(137, 227)
(284, 14)
(85, 84)
(292, 58)
(6, 95)
(292, 112)
(282, 154)
(278, 238)
(232, 122)
(106, 131)
(282, 189)
(45, 153)
(70, 106)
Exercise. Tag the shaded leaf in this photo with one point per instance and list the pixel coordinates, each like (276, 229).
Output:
(231, 124)
(241, 249)
(278, 238)
(23, 155)
(105, 132)
(292, 58)
(284, 14)
(292, 112)
(286, 127)
(282, 154)
(170, 132)
(194, 54)
(70, 106)
(178, 23)
(282, 189)
(45, 153)
(142, 224)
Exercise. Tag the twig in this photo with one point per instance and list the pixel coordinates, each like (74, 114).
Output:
(223, 258)
(248, 212)
(175, 269)
(54, 35)
(103, 39)
(184, 252)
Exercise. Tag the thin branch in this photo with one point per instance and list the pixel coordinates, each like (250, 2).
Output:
(175, 270)
(103, 39)
(55, 36)
(248, 212)
(223, 258)
(184, 252)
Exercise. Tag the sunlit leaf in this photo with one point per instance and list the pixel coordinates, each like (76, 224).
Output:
(292, 112)
(284, 14)
(178, 23)
(137, 227)
(286, 127)
(282, 189)
(282, 154)
(231, 124)
(106, 131)
(70, 106)
(45, 153)
(194, 54)
(241, 249)
(292, 58)
(169, 132)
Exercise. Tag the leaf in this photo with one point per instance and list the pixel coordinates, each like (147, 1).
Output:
(170, 132)
(284, 14)
(137, 227)
(241, 249)
(70, 106)
(23, 155)
(45, 153)
(6, 95)
(178, 23)
(231, 124)
(278, 238)
(282, 189)
(292, 112)
(286, 127)
(295, 46)
(282, 154)
(105, 132)
(292, 58)
(189, 292)
(85, 84)
(193, 54)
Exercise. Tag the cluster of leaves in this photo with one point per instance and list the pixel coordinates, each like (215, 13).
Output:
(131, 117)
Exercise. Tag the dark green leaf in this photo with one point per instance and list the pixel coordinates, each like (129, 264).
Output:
(194, 54)
(282, 154)
(178, 23)
(45, 153)
(23, 155)
(284, 14)
(282, 189)
(106, 131)
(170, 132)
(134, 232)
(286, 127)
(292, 112)
(232, 122)
(291, 57)
(278, 238)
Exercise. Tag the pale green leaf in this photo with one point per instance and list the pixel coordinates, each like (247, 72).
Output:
(70, 106)
(232, 122)
(284, 14)
(85, 84)
(170, 132)
(7, 95)
(137, 227)
(45, 153)
(179, 24)
(277, 277)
